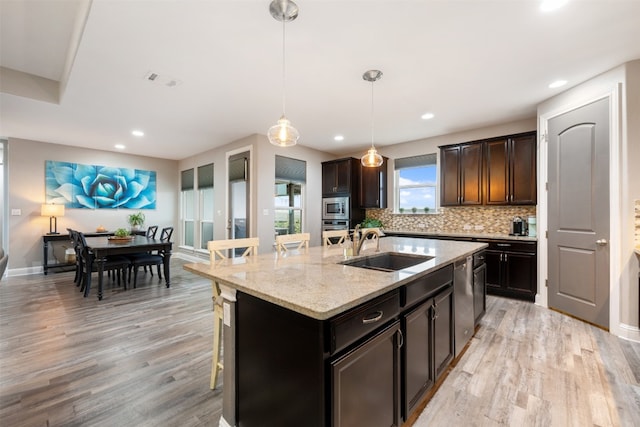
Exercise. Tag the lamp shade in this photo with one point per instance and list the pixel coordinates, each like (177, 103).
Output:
(52, 210)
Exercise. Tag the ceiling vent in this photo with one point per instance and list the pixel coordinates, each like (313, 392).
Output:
(160, 79)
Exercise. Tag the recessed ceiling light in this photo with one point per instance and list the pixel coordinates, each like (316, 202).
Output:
(338, 138)
(427, 116)
(120, 146)
(557, 83)
(137, 133)
(549, 5)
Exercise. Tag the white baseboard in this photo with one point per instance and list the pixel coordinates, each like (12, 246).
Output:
(628, 332)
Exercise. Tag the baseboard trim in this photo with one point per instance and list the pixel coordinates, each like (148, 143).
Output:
(628, 332)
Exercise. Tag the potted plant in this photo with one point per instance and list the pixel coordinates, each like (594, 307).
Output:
(121, 232)
(401, 210)
(426, 209)
(414, 209)
(371, 223)
(135, 220)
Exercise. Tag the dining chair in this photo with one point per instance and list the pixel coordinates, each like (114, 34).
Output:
(301, 239)
(338, 237)
(220, 249)
(117, 264)
(148, 259)
(151, 231)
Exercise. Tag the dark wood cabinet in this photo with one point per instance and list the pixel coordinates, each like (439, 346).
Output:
(497, 171)
(510, 165)
(365, 386)
(373, 186)
(340, 176)
(512, 269)
(428, 331)
(461, 175)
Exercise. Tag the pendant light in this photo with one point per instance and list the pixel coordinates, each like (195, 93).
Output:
(283, 134)
(372, 159)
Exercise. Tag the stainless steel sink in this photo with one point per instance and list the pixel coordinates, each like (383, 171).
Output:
(388, 261)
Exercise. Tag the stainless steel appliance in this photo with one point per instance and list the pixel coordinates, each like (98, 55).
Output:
(335, 208)
(335, 224)
(518, 227)
(463, 299)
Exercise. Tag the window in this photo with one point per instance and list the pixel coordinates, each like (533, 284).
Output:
(415, 179)
(187, 198)
(291, 176)
(205, 188)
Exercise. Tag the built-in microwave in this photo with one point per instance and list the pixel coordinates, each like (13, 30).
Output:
(335, 208)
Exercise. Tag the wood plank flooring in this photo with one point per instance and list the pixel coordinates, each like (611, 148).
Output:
(142, 357)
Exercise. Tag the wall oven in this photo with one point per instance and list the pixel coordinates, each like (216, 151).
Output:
(336, 224)
(335, 208)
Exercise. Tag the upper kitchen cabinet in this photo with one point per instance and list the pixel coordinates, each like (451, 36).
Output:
(510, 164)
(461, 174)
(373, 186)
(340, 176)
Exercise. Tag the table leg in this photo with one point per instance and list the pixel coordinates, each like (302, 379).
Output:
(100, 262)
(88, 263)
(46, 256)
(165, 261)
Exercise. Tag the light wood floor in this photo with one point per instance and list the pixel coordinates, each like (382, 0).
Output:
(142, 358)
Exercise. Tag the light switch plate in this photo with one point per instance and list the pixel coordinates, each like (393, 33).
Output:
(16, 212)
(265, 212)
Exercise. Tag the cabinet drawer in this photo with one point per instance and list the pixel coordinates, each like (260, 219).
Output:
(514, 246)
(357, 323)
(427, 285)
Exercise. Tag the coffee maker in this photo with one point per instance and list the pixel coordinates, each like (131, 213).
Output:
(518, 227)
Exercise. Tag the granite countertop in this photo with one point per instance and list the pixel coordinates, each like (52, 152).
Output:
(313, 283)
(463, 234)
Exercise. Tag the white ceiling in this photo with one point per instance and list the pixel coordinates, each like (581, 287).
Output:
(471, 62)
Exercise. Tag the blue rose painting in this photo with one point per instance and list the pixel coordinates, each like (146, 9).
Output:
(99, 187)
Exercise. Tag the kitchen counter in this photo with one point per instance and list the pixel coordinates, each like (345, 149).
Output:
(461, 235)
(313, 283)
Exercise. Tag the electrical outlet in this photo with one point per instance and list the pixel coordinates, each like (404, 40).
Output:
(265, 212)
(466, 227)
(16, 212)
(422, 225)
(479, 227)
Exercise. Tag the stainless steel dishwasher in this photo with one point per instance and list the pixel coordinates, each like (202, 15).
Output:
(463, 302)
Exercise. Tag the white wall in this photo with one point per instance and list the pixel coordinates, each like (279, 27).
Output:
(26, 168)
(623, 83)
(262, 186)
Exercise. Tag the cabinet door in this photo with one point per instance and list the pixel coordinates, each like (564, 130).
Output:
(497, 172)
(450, 176)
(471, 174)
(366, 382)
(523, 170)
(418, 356)
(520, 274)
(328, 178)
(443, 331)
(373, 186)
(343, 176)
(493, 261)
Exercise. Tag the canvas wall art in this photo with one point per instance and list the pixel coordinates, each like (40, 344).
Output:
(99, 187)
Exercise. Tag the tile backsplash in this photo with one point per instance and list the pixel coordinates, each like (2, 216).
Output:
(473, 220)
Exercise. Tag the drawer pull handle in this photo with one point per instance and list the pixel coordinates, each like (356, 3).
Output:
(372, 318)
(504, 244)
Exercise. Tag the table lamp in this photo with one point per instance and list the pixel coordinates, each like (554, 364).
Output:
(52, 211)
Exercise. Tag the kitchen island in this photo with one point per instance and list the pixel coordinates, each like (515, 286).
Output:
(311, 341)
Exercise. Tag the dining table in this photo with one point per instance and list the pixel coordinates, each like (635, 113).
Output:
(99, 248)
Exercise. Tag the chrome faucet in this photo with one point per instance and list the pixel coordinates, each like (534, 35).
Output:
(359, 240)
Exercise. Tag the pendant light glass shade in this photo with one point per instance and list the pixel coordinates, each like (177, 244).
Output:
(372, 159)
(283, 134)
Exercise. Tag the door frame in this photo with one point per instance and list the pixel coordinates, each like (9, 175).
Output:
(227, 155)
(613, 93)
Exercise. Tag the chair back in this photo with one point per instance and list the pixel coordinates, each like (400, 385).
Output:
(302, 239)
(341, 235)
(151, 231)
(219, 247)
(166, 233)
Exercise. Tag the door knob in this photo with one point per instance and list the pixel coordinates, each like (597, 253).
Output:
(601, 242)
